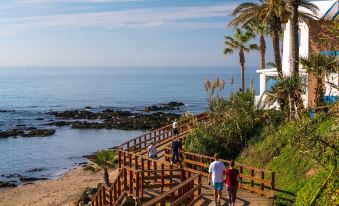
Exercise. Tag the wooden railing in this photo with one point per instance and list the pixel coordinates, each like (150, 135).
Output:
(256, 180)
(138, 173)
(187, 192)
(158, 135)
(111, 195)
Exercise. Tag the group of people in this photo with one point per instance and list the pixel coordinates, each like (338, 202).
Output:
(218, 174)
(176, 146)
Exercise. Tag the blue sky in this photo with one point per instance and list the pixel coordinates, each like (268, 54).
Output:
(116, 33)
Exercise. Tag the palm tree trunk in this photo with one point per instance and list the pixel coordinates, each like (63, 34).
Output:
(106, 177)
(262, 52)
(275, 29)
(242, 64)
(276, 50)
(295, 34)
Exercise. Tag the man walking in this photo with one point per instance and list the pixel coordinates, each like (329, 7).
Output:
(175, 127)
(176, 149)
(216, 174)
(232, 181)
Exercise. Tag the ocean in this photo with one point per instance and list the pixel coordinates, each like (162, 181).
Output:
(27, 94)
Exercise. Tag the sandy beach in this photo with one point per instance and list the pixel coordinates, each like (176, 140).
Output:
(57, 192)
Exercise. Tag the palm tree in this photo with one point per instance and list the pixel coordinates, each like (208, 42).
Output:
(294, 6)
(273, 13)
(284, 92)
(239, 42)
(260, 28)
(320, 67)
(105, 160)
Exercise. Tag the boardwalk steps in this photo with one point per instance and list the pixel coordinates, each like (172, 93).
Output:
(155, 182)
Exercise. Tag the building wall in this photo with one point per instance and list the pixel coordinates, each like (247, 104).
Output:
(315, 46)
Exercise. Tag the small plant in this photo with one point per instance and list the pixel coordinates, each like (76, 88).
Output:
(105, 160)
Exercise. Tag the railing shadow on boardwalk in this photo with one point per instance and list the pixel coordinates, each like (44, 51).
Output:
(155, 182)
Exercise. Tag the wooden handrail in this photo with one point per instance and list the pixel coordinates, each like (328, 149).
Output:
(187, 182)
(168, 128)
(260, 181)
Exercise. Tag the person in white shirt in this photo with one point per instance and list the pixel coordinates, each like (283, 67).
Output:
(216, 174)
(175, 128)
(152, 151)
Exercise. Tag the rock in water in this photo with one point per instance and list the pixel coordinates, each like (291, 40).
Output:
(7, 184)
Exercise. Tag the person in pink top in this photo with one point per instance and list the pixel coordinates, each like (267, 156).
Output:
(232, 180)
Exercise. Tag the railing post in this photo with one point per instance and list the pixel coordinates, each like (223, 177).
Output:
(130, 160)
(119, 159)
(100, 197)
(134, 146)
(199, 182)
(162, 178)
(130, 182)
(110, 197)
(148, 167)
(252, 175)
(155, 171)
(145, 142)
(115, 196)
(136, 163)
(124, 158)
(263, 178)
(241, 171)
(125, 179)
(137, 185)
(273, 181)
(142, 184)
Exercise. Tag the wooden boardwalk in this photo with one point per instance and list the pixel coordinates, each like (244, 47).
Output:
(154, 182)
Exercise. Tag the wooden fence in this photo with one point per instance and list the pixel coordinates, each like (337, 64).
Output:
(187, 192)
(256, 180)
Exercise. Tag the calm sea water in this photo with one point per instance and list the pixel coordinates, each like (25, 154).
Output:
(31, 92)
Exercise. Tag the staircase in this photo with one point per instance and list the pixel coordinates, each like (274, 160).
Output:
(155, 182)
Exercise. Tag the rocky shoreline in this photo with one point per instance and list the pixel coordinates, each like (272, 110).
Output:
(117, 119)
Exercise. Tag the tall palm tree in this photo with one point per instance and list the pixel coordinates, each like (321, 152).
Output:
(105, 160)
(273, 13)
(320, 67)
(239, 42)
(294, 10)
(260, 28)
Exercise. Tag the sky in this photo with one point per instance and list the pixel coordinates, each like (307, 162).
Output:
(117, 33)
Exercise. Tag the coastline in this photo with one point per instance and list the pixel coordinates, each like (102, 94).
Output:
(65, 190)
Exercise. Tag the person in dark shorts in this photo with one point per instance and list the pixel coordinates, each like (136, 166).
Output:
(176, 149)
(232, 180)
(175, 128)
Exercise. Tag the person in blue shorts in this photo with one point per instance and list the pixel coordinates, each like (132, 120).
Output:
(216, 175)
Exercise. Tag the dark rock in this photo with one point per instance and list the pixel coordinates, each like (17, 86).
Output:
(7, 184)
(83, 163)
(32, 128)
(31, 179)
(168, 106)
(59, 123)
(36, 170)
(114, 119)
(5, 110)
(39, 133)
(39, 119)
(11, 133)
(13, 176)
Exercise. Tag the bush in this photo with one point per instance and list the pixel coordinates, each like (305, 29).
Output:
(233, 122)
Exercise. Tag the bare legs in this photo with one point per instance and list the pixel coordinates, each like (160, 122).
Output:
(217, 196)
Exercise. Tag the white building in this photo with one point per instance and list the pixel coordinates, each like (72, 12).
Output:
(328, 10)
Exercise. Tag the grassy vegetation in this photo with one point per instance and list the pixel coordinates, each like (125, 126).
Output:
(302, 152)
(298, 176)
